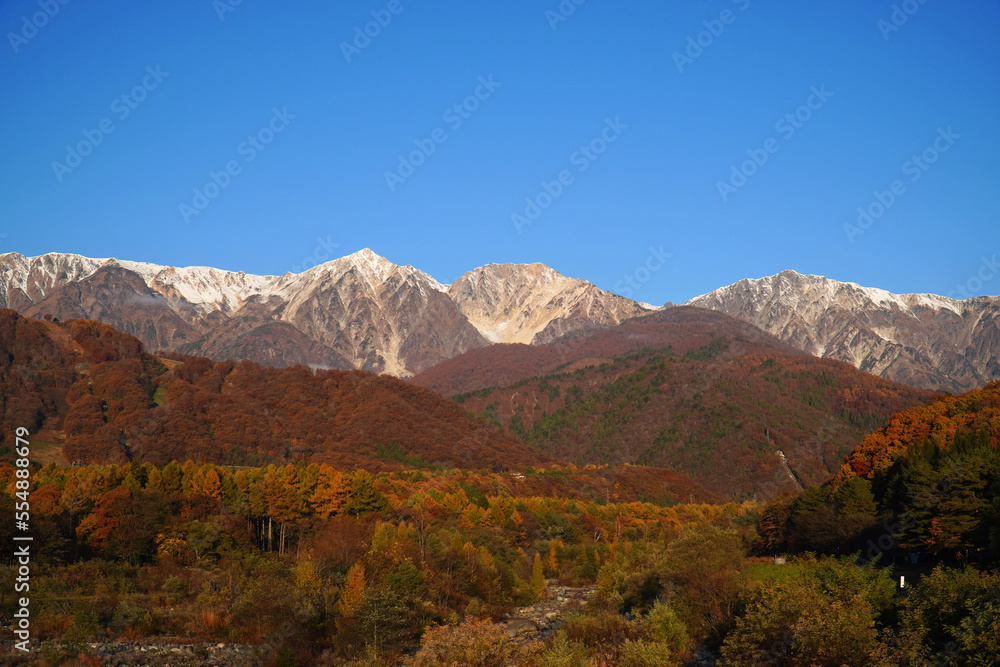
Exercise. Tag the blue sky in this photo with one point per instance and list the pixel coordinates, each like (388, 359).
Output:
(673, 128)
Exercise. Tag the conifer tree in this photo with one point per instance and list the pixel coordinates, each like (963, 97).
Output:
(331, 494)
(945, 505)
(212, 485)
(854, 496)
(364, 497)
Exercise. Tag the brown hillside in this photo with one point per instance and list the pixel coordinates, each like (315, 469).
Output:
(112, 402)
(685, 389)
(684, 328)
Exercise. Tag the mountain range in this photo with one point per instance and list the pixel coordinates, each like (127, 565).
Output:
(925, 340)
(359, 311)
(706, 404)
(364, 312)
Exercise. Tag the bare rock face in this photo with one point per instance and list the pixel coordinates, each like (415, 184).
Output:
(921, 339)
(381, 317)
(118, 297)
(363, 311)
(533, 304)
(255, 333)
(359, 311)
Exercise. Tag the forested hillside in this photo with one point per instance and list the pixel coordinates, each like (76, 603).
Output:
(946, 425)
(682, 328)
(399, 528)
(687, 389)
(99, 394)
(926, 482)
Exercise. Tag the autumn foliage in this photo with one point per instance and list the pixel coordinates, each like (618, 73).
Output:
(973, 412)
(719, 413)
(343, 558)
(95, 389)
(357, 540)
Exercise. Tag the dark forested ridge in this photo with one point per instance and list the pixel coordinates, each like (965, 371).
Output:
(721, 421)
(946, 424)
(935, 471)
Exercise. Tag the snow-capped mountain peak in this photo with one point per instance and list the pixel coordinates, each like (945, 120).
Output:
(791, 285)
(924, 339)
(372, 267)
(364, 311)
(533, 303)
(197, 285)
(42, 273)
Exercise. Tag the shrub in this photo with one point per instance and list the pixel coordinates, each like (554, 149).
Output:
(174, 585)
(599, 629)
(473, 643)
(798, 623)
(702, 567)
(663, 626)
(564, 653)
(646, 654)
(953, 614)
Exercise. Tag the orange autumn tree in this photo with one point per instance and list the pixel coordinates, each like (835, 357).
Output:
(332, 492)
(354, 589)
(937, 422)
(123, 524)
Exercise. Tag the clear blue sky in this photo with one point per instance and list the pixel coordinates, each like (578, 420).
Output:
(656, 184)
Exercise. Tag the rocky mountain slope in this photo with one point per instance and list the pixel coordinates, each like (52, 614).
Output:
(921, 339)
(359, 311)
(362, 311)
(533, 304)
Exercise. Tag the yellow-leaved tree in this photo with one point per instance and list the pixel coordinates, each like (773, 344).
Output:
(354, 589)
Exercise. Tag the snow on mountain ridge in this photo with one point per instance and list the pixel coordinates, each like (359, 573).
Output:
(905, 302)
(16, 269)
(533, 303)
(207, 286)
(198, 285)
(375, 268)
(363, 311)
(922, 339)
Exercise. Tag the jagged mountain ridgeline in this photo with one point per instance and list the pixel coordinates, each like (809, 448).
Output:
(531, 303)
(359, 311)
(362, 311)
(925, 340)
